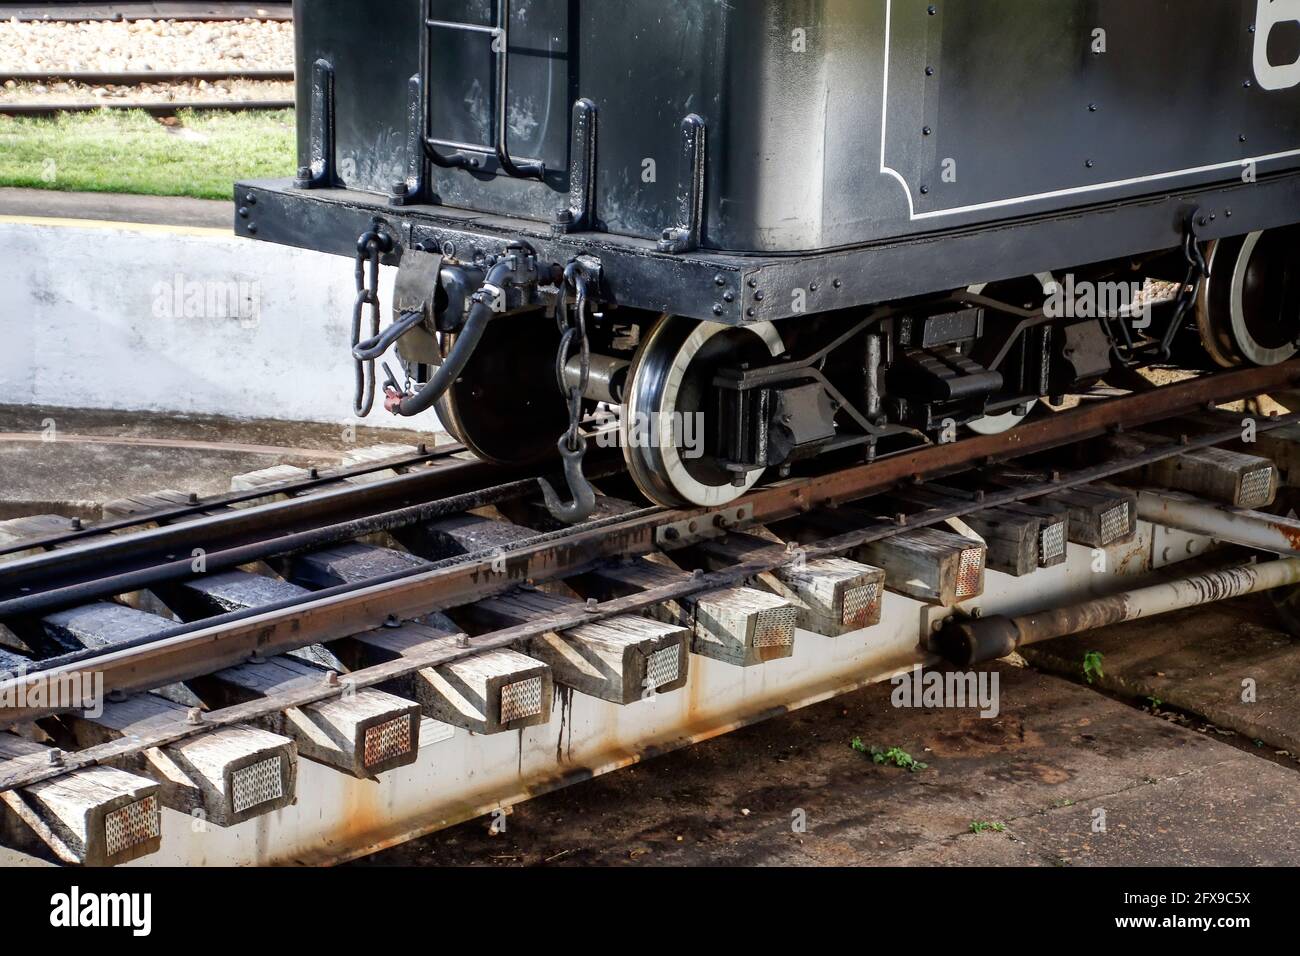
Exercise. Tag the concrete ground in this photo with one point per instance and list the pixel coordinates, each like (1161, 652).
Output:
(1059, 761)
(70, 461)
(1066, 774)
(1229, 664)
(115, 207)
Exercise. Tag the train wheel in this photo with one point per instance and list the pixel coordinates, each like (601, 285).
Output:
(997, 424)
(668, 409)
(1248, 312)
(506, 406)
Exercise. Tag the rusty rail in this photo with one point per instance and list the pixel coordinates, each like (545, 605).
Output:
(342, 612)
(72, 575)
(317, 479)
(152, 107)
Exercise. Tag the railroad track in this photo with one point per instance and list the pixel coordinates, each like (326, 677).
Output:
(92, 78)
(199, 11)
(202, 10)
(356, 645)
(152, 107)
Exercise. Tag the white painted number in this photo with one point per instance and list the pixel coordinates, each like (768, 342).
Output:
(1269, 14)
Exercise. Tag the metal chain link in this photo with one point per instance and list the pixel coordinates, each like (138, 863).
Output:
(572, 445)
(370, 246)
(1126, 353)
(570, 330)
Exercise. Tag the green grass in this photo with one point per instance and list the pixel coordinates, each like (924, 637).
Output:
(131, 152)
(1092, 666)
(982, 826)
(894, 755)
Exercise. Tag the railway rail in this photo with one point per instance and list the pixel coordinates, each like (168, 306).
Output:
(357, 649)
(201, 10)
(99, 78)
(84, 12)
(152, 108)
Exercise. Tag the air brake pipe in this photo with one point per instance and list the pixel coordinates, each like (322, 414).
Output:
(967, 641)
(1251, 529)
(467, 340)
(372, 348)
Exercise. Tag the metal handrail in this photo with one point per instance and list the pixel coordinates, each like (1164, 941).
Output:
(500, 34)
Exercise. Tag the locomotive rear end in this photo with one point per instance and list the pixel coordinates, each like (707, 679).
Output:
(760, 234)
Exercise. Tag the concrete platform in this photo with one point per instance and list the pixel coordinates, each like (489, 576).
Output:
(1056, 754)
(176, 319)
(117, 207)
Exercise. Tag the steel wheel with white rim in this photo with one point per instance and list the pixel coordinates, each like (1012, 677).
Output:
(1248, 310)
(669, 409)
(997, 424)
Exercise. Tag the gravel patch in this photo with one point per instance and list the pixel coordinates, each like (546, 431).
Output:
(167, 45)
(1155, 291)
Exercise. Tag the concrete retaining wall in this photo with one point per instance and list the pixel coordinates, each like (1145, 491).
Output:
(151, 318)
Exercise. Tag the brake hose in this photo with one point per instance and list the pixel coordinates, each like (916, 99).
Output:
(373, 348)
(467, 340)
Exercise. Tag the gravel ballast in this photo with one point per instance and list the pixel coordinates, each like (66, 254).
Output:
(141, 45)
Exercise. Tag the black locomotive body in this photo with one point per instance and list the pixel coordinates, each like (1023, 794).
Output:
(817, 226)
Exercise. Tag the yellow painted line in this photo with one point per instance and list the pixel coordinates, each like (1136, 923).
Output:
(109, 224)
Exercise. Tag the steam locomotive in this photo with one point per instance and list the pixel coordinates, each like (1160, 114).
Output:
(817, 229)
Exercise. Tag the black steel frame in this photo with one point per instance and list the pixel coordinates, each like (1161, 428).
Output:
(739, 289)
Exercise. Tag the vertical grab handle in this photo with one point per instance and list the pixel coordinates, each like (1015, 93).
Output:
(522, 169)
(517, 168)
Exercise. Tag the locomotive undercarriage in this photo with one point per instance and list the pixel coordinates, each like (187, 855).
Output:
(705, 409)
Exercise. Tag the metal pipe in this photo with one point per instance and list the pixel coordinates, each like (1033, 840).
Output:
(873, 377)
(967, 641)
(466, 27)
(1251, 529)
